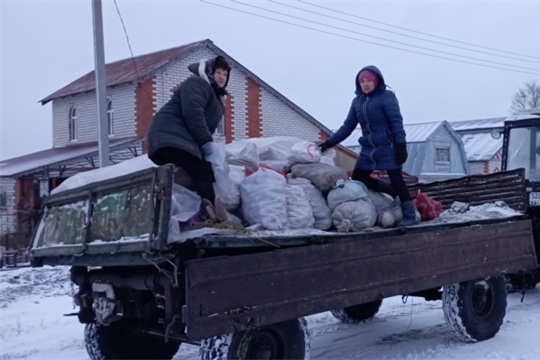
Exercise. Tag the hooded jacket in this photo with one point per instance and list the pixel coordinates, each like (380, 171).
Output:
(188, 120)
(381, 122)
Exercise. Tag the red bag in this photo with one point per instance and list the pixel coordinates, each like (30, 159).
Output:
(427, 207)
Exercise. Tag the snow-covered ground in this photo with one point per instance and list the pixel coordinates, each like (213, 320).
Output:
(32, 326)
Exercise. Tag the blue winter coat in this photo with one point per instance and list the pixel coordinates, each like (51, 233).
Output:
(382, 126)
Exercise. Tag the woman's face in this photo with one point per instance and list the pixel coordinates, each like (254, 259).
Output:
(366, 85)
(221, 77)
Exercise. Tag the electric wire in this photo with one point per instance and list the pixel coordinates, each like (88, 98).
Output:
(415, 31)
(400, 34)
(365, 41)
(380, 38)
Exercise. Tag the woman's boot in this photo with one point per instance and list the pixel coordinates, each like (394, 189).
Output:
(409, 214)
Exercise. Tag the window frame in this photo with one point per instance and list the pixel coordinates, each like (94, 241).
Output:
(3, 200)
(443, 162)
(110, 117)
(73, 123)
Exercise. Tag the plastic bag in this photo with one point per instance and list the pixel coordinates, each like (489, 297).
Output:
(184, 205)
(354, 216)
(346, 190)
(224, 187)
(305, 152)
(323, 176)
(263, 199)
(321, 212)
(428, 207)
(328, 157)
(299, 212)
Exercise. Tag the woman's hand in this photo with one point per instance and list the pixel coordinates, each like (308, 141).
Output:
(401, 153)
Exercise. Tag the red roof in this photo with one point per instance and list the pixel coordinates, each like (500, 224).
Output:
(124, 71)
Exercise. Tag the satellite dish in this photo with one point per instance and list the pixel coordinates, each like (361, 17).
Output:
(496, 134)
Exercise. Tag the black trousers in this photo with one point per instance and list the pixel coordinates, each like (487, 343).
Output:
(397, 186)
(200, 170)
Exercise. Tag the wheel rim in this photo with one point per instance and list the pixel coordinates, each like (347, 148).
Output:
(482, 298)
(266, 344)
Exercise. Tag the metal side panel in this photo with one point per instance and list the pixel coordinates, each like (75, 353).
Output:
(122, 215)
(508, 186)
(229, 294)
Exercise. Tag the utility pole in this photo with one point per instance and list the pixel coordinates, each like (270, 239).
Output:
(101, 85)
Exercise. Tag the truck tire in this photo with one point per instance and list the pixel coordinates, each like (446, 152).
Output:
(357, 313)
(124, 340)
(286, 340)
(475, 309)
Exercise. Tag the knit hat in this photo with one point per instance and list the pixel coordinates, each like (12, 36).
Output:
(367, 74)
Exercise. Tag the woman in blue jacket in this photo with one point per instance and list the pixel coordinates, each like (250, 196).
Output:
(383, 142)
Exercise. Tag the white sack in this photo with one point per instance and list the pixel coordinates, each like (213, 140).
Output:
(323, 176)
(269, 148)
(328, 157)
(321, 212)
(346, 190)
(224, 187)
(237, 173)
(381, 201)
(263, 199)
(276, 164)
(245, 155)
(305, 152)
(299, 212)
(354, 216)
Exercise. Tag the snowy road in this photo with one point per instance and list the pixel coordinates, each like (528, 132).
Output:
(32, 326)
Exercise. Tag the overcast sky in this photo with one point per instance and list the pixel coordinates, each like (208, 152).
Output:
(47, 44)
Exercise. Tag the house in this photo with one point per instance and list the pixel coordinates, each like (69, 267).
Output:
(136, 89)
(484, 152)
(436, 151)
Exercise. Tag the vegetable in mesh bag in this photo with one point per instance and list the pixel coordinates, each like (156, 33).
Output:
(323, 176)
(346, 190)
(263, 199)
(354, 216)
(299, 212)
(321, 212)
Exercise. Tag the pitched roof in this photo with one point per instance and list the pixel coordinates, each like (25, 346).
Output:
(481, 146)
(489, 123)
(35, 161)
(124, 71)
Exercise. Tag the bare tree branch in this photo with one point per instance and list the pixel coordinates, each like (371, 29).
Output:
(526, 98)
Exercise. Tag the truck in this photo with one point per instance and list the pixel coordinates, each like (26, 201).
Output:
(242, 294)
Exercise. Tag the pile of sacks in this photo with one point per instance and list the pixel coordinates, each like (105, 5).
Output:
(286, 183)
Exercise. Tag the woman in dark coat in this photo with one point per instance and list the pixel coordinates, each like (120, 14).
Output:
(181, 131)
(383, 142)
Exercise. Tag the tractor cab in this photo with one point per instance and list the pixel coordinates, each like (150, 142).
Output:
(521, 149)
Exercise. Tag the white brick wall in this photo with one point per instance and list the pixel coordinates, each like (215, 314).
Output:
(279, 119)
(478, 167)
(7, 214)
(123, 99)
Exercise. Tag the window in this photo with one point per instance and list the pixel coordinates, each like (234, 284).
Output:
(72, 124)
(110, 117)
(442, 155)
(3, 199)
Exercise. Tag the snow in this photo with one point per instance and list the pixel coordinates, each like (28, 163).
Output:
(32, 326)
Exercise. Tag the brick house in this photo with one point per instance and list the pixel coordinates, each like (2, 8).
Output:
(136, 89)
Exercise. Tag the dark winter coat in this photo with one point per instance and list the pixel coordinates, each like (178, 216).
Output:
(188, 120)
(382, 126)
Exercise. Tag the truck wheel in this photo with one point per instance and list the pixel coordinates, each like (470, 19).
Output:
(286, 340)
(124, 340)
(357, 313)
(475, 309)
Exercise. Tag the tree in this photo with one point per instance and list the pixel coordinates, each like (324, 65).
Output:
(527, 97)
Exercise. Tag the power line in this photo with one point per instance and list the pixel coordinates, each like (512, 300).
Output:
(400, 34)
(380, 38)
(365, 41)
(130, 50)
(417, 32)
